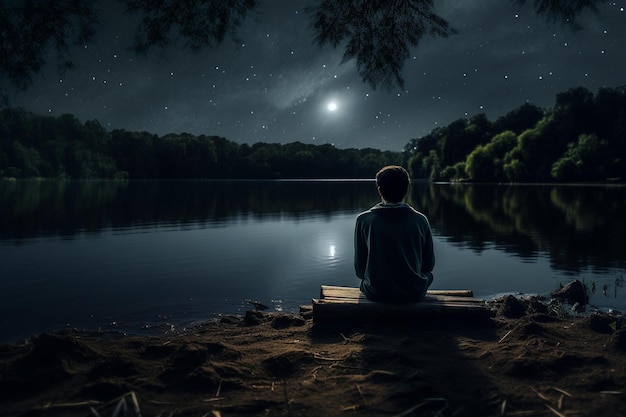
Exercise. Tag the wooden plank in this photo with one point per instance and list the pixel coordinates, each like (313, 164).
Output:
(399, 306)
(324, 311)
(332, 291)
(352, 292)
(349, 303)
(427, 299)
(368, 303)
(455, 293)
(439, 298)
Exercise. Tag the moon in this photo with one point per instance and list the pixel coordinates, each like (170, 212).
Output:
(331, 106)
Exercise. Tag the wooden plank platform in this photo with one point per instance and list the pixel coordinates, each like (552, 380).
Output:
(348, 303)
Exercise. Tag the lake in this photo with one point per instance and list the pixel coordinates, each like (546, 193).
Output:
(154, 256)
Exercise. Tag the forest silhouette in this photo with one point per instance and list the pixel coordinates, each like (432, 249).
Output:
(581, 138)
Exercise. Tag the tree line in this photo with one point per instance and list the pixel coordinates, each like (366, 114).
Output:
(582, 138)
(34, 146)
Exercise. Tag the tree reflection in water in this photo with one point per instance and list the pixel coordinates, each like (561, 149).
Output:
(578, 227)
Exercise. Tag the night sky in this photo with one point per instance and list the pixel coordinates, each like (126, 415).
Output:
(278, 86)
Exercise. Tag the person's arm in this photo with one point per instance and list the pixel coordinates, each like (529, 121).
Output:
(360, 251)
(428, 251)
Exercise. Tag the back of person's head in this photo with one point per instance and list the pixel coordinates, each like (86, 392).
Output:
(393, 182)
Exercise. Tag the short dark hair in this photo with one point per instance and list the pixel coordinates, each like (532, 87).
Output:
(393, 181)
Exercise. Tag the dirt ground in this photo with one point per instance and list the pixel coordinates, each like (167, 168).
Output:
(269, 364)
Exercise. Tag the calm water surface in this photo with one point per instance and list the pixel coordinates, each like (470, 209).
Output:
(153, 256)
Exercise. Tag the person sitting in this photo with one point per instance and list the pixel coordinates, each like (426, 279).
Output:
(393, 244)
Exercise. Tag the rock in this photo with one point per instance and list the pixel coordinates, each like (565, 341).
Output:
(572, 293)
(511, 307)
(253, 318)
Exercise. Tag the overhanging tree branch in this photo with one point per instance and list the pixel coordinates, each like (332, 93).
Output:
(378, 34)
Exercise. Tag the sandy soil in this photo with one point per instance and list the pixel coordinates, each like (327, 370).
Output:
(266, 364)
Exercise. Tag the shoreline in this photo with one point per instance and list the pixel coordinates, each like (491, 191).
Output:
(528, 363)
(182, 325)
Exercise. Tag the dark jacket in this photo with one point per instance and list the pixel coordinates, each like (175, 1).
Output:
(393, 253)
